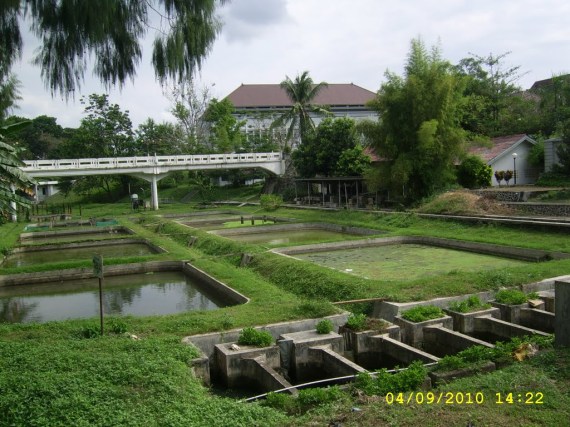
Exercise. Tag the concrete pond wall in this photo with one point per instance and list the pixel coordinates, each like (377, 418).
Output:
(301, 354)
(482, 248)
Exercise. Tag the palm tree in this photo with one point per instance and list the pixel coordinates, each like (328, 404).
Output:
(301, 91)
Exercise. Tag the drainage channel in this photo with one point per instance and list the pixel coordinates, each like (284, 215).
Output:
(303, 358)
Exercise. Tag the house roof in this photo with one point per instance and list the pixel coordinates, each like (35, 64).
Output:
(540, 84)
(500, 146)
(272, 95)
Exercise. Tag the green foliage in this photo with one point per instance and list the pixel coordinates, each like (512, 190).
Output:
(110, 380)
(301, 91)
(89, 332)
(563, 152)
(324, 326)
(307, 399)
(356, 322)
(321, 151)
(270, 202)
(11, 177)
(422, 313)
(110, 33)
(225, 134)
(315, 308)
(310, 397)
(117, 326)
(419, 133)
(254, 337)
(384, 382)
(536, 155)
(553, 179)
(474, 173)
(513, 296)
(490, 95)
(352, 162)
(473, 303)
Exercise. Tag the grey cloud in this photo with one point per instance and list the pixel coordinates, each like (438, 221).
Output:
(246, 19)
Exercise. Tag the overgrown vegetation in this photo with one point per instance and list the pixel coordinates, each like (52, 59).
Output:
(513, 296)
(473, 303)
(254, 337)
(422, 313)
(503, 353)
(324, 326)
(383, 382)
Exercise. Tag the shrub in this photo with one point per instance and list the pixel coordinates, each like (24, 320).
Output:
(406, 380)
(319, 396)
(324, 326)
(89, 332)
(283, 402)
(270, 202)
(251, 336)
(356, 322)
(473, 303)
(474, 173)
(513, 296)
(117, 326)
(422, 313)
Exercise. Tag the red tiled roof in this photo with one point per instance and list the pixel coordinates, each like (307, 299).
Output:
(498, 146)
(271, 95)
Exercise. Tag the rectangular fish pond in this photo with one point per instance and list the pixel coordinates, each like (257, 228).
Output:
(71, 295)
(414, 257)
(63, 236)
(233, 221)
(34, 255)
(302, 233)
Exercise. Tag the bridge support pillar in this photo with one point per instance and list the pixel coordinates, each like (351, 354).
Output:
(154, 192)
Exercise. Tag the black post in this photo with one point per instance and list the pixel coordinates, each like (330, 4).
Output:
(101, 302)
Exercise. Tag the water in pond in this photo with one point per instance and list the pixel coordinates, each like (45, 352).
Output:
(135, 294)
(405, 261)
(285, 237)
(20, 259)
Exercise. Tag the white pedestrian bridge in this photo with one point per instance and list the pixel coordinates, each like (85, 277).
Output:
(153, 168)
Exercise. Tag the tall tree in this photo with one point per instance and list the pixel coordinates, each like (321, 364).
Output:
(40, 139)
(491, 95)
(302, 91)
(225, 134)
(159, 138)
(320, 152)
(110, 32)
(190, 104)
(419, 134)
(554, 97)
(105, 132)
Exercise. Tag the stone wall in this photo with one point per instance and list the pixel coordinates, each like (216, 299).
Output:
(543, 209)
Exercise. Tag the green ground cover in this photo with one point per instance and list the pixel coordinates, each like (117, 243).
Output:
(51, 375)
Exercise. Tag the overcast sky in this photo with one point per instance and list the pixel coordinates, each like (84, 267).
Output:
(337, 41)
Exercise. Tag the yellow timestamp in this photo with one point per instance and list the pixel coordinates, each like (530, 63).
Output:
(435, 398)
(463, 398)
(526, 398)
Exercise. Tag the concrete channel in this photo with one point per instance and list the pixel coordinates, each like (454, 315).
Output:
(300, 355)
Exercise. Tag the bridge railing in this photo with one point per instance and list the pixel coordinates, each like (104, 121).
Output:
(142, 161)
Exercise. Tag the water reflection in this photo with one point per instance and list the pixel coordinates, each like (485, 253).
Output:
(139, 295)
(15, 310)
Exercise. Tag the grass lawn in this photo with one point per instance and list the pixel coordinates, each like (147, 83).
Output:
(58, 374)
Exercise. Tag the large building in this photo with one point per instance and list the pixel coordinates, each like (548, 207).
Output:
(260, 104)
